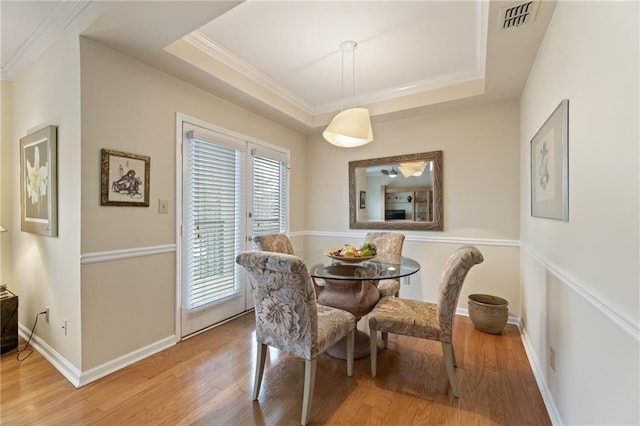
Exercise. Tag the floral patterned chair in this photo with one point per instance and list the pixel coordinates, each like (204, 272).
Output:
(288, 317)
(279, 243)
(433, 321)
(389, 249)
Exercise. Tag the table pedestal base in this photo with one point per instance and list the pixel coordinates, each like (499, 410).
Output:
(360, 348)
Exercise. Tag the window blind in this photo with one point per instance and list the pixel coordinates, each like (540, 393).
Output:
(269, 195)
(214, 207)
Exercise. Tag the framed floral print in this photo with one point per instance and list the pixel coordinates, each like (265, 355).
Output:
(38, 182)
(550, 166)
(124, 179)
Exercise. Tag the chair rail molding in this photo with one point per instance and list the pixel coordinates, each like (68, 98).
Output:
(109, 256)
(631, 327)
(415, 238)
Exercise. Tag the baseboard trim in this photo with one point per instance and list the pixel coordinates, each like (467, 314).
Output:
(109, 256)
(513, 320)
(123, 361)
(60, 363)
(538, 374)
(630, 327)
(78, 378)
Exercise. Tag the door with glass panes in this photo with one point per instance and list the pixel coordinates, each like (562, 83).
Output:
(231, 190)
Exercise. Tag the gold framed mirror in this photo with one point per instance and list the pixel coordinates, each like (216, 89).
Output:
(402, 192)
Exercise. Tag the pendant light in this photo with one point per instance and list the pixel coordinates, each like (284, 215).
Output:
(412, 169)
(350, 127)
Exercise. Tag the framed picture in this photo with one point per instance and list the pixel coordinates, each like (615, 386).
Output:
(125, 179)
(550, 166)
(38, 182)
(363, 199)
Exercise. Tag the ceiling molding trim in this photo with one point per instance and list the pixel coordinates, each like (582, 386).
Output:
(440, 82)
(483, 35)
(43, 37)
(213, 49)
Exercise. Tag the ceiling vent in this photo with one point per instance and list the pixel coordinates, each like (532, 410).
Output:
(518, 14)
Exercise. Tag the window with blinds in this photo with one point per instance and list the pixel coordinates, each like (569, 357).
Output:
(269, 195)
(214, 212)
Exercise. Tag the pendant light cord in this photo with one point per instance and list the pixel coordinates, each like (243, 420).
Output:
(353, 77)
(342, 85)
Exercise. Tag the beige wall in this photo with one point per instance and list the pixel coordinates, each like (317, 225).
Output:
(481, 203)
(131, 107)
(580, 278)
(7, 146)
(46, 270)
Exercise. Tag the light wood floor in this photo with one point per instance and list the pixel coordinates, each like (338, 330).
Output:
(207, 380)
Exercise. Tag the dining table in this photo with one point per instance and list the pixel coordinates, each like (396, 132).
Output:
(351, 284)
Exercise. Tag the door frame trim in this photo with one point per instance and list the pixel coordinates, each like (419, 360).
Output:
(182, 118)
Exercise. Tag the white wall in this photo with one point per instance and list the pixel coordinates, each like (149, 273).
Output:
(129, 106)
(481, 203)
(580, 279)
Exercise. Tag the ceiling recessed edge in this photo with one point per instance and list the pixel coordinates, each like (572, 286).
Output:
(417, 87)
(213, 49)
(482, 39)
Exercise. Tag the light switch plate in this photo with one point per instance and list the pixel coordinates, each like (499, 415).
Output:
(163, 206)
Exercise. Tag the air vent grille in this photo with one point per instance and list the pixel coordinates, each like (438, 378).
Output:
(518, 14)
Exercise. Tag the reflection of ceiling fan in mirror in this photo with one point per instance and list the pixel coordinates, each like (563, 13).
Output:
(391, 173)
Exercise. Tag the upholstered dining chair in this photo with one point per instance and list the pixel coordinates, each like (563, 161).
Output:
(433, 321)
(389, 249)
(280, 243)
(288, 317)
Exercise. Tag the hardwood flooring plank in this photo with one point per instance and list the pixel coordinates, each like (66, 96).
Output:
(207, 380)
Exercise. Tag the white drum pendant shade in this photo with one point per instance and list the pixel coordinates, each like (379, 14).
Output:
(349, 128)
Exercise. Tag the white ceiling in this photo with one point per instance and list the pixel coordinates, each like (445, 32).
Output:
(282, 59)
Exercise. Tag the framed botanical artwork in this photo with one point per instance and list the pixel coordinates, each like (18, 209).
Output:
(363, 199)
(550, 166)
(124, 179)
(38, 182)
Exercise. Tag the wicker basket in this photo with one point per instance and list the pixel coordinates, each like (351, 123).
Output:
(488, 313)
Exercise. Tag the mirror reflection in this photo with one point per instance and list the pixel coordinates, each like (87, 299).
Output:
(401, 192)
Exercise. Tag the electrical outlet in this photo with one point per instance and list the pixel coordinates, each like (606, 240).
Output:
(46, 314)
(64, 326)
(552, 358)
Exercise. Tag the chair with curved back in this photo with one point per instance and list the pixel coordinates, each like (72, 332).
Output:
(389, 249)
(289, 318)
(433, 321)
(280, 243)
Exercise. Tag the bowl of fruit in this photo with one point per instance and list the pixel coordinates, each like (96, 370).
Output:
(352, 254)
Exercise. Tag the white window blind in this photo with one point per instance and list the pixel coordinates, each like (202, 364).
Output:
(214, 212)
(269, 195)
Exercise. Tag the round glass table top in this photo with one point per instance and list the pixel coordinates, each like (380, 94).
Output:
(322, 266)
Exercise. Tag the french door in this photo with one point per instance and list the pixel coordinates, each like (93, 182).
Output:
(232, 189)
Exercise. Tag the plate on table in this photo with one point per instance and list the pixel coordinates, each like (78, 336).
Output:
(349, 259)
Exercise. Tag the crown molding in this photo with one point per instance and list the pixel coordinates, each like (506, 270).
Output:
(42, 37)
(201, 42)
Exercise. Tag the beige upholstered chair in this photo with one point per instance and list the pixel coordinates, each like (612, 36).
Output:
(389, 249)
(279, 243)
(288, 317)
(433, 321)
